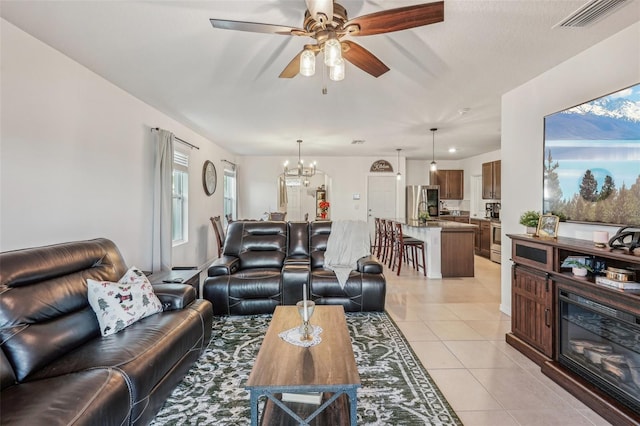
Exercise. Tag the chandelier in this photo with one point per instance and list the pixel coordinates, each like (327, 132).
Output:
(300, 170)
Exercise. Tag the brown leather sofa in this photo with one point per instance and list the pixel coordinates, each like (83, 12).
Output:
(55, 366)
(265, 264)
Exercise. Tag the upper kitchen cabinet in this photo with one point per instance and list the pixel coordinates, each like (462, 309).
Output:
(491, 180)
(451, 183)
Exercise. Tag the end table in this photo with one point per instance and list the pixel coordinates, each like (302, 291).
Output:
(187, 276)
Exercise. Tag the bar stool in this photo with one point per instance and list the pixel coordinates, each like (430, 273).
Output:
(406, 248)
(375, 247)
(380, 251)
(388, 248)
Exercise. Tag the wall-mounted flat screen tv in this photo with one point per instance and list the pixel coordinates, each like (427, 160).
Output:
(592, 160)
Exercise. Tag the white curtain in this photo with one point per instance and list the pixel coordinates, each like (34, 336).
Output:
(162, 200)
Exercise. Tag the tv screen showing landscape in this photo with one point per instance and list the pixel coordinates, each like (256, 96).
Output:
(592, 160)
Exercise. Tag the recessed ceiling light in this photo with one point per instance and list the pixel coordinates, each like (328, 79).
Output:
(452, 150)
(463, 111)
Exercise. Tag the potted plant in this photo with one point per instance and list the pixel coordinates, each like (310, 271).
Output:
(424, 216)
(578, 268)
(530, 219)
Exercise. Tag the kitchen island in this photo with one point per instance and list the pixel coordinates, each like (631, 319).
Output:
(449, 246)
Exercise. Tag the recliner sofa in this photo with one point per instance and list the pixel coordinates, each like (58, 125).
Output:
(265, 264)
(55, 366)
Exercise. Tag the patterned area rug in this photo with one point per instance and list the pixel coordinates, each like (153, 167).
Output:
(396, 389)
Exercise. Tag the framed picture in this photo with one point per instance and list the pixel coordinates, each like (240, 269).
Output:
(548, 226)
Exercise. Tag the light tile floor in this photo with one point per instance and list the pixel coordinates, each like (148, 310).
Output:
(456, 329)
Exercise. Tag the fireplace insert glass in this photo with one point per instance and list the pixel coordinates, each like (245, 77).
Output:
(602, 345)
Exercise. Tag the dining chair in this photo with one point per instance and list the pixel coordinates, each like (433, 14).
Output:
(277, 215)
(218, 229)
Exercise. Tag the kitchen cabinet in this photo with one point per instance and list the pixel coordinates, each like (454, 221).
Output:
(482, 245)
(451, 183)
(455, 218)
(491, 175)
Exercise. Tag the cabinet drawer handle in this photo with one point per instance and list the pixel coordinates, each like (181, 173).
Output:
(546, 317)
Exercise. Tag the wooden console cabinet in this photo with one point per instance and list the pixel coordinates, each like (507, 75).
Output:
(532, 306)
(538, 282)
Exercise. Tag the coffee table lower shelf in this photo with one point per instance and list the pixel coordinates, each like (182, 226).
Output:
(328, 367)
(337, 413)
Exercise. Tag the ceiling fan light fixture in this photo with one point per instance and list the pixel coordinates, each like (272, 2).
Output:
(326, 22)
(336, 72)
(307, 63)
(332, 51)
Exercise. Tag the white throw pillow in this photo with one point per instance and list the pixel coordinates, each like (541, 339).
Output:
(118, 305)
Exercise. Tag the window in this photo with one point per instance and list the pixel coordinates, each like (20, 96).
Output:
(230, 192)
(180, 204)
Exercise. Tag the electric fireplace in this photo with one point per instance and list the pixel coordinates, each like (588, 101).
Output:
(602, 345)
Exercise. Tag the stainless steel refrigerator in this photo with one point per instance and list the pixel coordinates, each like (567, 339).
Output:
(422, 198)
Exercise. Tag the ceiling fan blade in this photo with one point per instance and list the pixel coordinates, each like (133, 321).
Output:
(320, 6)
(255, 27)
(293, 68)
(397, 19)
(363, 59)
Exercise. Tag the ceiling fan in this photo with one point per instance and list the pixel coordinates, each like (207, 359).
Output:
(327, 23)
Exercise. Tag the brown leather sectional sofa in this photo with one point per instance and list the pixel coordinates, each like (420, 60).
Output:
(265, 264)
(55, 366)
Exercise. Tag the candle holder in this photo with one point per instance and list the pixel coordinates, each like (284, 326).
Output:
(600, 238)
(305, 309)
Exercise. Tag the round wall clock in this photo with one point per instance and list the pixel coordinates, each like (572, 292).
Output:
(209, 177)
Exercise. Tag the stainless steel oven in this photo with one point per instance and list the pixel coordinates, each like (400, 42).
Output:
(496, 241)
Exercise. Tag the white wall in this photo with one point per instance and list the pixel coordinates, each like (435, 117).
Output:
(76, 158)
(606, 67)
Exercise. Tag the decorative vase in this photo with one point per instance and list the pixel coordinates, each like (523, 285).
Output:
(323, 215)
(531, 230)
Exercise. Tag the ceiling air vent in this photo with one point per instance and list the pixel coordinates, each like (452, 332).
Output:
(357, 142)
(591, 12)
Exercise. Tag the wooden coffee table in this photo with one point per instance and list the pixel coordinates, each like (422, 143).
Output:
(328, 367)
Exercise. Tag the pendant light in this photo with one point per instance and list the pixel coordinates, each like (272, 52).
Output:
(434, 165)
(398, 175)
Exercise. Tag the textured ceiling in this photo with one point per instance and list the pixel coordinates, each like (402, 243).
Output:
(224, 84)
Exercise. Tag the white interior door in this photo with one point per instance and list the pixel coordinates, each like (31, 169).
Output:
(381, 199)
